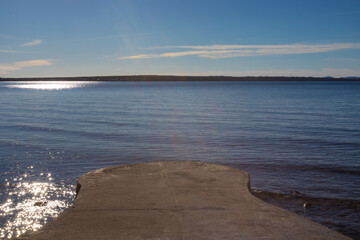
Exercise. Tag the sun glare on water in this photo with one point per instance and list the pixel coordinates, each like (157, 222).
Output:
(50, 85)
(30, 205)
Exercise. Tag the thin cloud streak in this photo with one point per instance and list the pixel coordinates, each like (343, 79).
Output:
(32, 43)
(206, 54)
(279, 46)
(8, 67)
(4, 69)
(34, 63)
(228, 51)
(11, 51)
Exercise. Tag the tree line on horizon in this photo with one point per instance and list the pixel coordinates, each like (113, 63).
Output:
(180, 78)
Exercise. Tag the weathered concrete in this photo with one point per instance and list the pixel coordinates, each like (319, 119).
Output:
(175, 200)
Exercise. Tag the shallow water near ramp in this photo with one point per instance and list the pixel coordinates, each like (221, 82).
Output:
(290, 136)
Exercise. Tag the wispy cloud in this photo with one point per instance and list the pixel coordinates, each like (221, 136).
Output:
(4, 69)
(11, 51)
(32, 43)
(203, 53)
(34, 63)
(8, 67)
(228, 51)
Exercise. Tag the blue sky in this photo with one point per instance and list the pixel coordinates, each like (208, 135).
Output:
(47, 38)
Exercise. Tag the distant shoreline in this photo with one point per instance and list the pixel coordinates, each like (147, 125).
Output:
(165, 78)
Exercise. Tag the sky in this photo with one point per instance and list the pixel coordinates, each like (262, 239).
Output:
(64, 38)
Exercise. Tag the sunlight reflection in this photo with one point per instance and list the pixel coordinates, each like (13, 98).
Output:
(30, 205)
(50, 85)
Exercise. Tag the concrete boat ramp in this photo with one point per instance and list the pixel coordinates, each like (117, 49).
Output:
(175, 200)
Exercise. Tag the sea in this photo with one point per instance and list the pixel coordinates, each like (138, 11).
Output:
(299, 141)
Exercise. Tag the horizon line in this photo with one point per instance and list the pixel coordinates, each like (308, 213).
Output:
(59, 78)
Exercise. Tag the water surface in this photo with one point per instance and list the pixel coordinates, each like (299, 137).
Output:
(290, 136)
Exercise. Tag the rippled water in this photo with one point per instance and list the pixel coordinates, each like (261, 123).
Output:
(290, 136)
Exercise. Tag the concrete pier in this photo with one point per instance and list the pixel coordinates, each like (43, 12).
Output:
(175, 200)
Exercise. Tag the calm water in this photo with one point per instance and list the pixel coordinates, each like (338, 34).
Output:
(290, 136)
